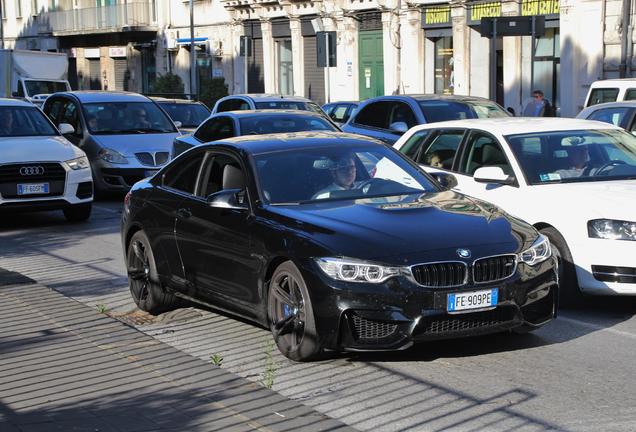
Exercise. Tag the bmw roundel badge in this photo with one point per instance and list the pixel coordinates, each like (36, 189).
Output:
(463, 253)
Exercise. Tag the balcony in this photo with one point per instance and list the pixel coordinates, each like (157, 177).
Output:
(123, 17)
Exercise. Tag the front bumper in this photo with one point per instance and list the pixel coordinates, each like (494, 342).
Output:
(119, 178)
(399, 312)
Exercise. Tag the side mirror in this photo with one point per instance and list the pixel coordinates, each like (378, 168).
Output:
(178, 124)
(493, 175)
(511, 110)
(448, 181)
(66, 129)
(399, 127)
(234, 199)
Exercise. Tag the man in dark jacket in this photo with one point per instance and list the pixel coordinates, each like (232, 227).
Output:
(539, 106)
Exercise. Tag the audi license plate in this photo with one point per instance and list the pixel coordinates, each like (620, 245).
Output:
(33, 188)
(472, 300)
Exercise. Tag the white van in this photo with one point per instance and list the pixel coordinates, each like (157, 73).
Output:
(612, 90)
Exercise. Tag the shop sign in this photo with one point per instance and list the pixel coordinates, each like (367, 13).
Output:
(539, 7)
(217, 73)
(91, 53)
(115, 52)
(436, 17)
(478, 11)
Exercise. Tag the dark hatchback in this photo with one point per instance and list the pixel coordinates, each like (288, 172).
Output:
(334, 242)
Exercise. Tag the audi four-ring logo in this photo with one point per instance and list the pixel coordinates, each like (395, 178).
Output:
(31, 170)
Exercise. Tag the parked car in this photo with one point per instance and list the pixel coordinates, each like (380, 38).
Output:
(126, 136)
(388, 117)
(237, 123)
(612, 90)
(187, 115)
(340, 112)
(621, 114)
(263, 227)
(39, 168)
(572, 179)
(243, 102)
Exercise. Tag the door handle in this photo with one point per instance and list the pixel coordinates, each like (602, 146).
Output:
(184, 213)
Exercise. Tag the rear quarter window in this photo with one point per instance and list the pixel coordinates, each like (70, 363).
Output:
(602, 95)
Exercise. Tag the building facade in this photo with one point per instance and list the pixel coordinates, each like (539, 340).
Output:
(381, 46)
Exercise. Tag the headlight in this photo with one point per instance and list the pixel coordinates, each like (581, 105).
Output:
(611, 229)
(537, 253)
(110, 155)
(79, 163)
(350, 270)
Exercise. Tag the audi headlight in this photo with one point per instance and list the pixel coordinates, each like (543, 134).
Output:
(611, 229)
(537, 253)
(79, 163)
(350, 270)
(112, 156)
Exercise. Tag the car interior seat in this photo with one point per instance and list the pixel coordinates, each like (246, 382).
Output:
(233, 178)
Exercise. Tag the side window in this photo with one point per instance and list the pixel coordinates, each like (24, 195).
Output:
(375, 114)
(401, 112)
(339, 113)
(221, 172)
(483, 150)
(70, 115)
(441, 151)
(215, 129)
(412, 146)
(601, 95)
(630, 94)
(183, 175)
(610, 115)
(52, 110)
(233, 105)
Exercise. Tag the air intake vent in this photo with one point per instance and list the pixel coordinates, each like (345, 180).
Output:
(371, 330)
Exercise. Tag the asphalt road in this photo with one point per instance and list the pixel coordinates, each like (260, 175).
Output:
(575, 374)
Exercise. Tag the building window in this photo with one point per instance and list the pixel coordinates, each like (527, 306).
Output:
(546, 65)
(18, 8)
(4, 9)
(285, 67)
(444, 76)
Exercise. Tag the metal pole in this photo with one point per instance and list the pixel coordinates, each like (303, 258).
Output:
(245, 46)
(493, 61)
(193, 64)
(534, 38)
(327, 65)
(1, 25)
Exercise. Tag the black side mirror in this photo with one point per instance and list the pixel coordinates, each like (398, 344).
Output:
(511, 110)
(234, 199)
(448, 181)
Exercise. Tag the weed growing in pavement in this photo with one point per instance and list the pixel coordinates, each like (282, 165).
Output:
(216, 360)
(102, 308)
(270, 366)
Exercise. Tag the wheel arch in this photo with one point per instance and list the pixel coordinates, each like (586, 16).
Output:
(132, 230)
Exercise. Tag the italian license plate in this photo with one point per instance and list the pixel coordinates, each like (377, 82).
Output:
(33, 188)
(472, 300)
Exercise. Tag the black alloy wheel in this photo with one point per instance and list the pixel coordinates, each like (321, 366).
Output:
(145, 287)
(291, 316)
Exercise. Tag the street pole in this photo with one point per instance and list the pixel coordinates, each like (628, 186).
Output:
(1, 25)
(327, 65)
(493, 61)
(534, 40)
(193, 64)
(246, 44)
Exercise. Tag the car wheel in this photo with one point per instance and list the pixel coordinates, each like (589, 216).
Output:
(145, 288)
(291, 315)
(569, 292)
(78, 212)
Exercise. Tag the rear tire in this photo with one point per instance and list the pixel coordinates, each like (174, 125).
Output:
(291, 316)
(78, 212)
(145, 288)
(569, 293)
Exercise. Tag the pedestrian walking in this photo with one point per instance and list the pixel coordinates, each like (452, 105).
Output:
(539, 106)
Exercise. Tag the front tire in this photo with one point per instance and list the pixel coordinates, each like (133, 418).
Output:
(569, 292)
(145, 288)
(78, 212)
(291, 316)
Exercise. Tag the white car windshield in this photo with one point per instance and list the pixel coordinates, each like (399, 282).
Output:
(300, 176)
(575, 156)
(24, 121)
(113, 118)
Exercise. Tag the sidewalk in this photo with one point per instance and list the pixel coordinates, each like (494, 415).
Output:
(66, 367)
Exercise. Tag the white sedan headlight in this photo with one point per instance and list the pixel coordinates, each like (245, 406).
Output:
(611, 229)
(112, 156)
(78, 163)
(537, 253)
(350, 270)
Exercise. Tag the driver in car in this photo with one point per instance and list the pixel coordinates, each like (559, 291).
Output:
(343, 173)
(578, 163)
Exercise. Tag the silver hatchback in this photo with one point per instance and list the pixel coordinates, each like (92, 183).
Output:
(126, 136)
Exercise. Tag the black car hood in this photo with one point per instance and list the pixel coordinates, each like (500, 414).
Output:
(410, 228)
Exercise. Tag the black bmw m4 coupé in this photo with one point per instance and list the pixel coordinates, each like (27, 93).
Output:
(335, 242)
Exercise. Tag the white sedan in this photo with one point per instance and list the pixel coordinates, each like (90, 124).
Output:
(574, 180)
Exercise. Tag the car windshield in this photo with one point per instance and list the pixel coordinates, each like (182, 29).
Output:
(316, 174)
(190, 115)
(24, 121)
(113, 118)
(575, 156)
(44, 87)
(268, 124)
(443, 110)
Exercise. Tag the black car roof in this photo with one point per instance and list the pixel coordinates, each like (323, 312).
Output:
(258, 144)
(428, 97)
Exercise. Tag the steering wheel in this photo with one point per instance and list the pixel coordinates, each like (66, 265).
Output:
(369, 186)
(606, 165)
